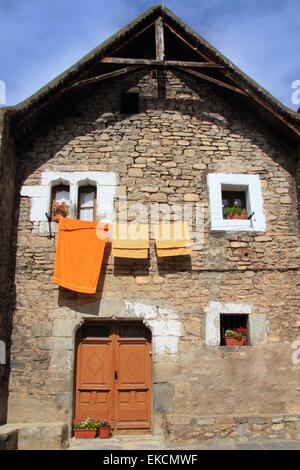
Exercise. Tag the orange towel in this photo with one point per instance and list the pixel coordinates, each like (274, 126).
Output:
(79, 254)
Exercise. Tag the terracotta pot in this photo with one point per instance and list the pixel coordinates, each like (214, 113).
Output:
(57, 217)
(85, 433)
(104, 433)
(241, 216)
(230, 341)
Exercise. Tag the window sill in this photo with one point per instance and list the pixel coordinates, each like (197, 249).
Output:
(234, 348)
(232, 225)
(236, 226)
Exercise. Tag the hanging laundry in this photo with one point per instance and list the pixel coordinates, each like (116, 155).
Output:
(79, 254)
(130, 241)
(172, 239)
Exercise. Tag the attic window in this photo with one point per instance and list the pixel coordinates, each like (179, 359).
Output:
(130, 103)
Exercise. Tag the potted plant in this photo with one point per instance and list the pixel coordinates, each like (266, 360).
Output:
(236, 337)
(235, 212)
(59, 210)
(86, 428)
(104, 429)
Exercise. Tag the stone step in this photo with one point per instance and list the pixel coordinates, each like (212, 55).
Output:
(34, 436)
(120, 442)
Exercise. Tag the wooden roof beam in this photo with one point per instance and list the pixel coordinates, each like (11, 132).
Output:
(159, 39)
(131, 39)
(154, 62)
(88, 81)
(105, 76)
(245, 92)
(213, 80)
(265, 105)
(195, 49)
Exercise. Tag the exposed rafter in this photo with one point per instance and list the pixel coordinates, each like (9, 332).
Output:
(263, 104)
(195, 49)
(212, 80)
(105, 76)
(133, 38)
(87, 81)
(154, 62)
(159, 39)
(241, 90)
(155, 23)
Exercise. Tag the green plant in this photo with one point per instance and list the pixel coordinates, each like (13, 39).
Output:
(233, 210)
(104, 423)
(59, 208)
(237, 333)
(87, 423)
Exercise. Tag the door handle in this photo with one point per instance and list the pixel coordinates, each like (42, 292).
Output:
(116, 376)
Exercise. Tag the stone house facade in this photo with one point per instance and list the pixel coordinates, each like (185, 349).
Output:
(196, 132)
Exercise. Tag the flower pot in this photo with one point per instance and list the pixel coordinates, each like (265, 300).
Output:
(230, 341)
(57, 217)
(85, 433)
(104, 433)
(241, 216)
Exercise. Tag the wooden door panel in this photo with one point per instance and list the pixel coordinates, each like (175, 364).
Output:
(93, 404)
(94, 395)
(95, 365)
(134, 407)
(133, 364)
(133, 391)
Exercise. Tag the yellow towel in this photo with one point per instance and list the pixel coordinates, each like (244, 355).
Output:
(174, 252)
(172, 239)
(130, 241)
(140, 254)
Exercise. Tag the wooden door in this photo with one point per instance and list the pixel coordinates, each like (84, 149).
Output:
(94, 384)
(133, 378)
(114, 376)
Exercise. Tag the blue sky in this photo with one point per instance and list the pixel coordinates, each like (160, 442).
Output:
(39, 39)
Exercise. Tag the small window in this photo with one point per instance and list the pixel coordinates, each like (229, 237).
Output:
(87, 203)
(235, 196)
(130, 103)
(95, 331)
(234, 204)
(61, 195)
(133, 331)
(236, 326)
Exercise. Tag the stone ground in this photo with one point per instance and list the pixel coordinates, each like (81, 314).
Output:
(158, 443)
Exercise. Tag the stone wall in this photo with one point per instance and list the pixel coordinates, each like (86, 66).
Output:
(200, 429)
(7, 191)
(162, 155)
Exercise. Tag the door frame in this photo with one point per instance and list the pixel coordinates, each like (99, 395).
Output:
(113, 324)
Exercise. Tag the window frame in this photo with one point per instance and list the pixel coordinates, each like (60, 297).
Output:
(218, 182)
(40, 195)
(55, 188)
(257, 322)
(85, 188)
